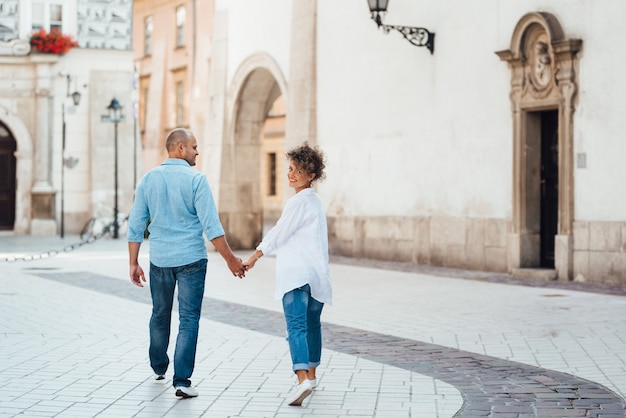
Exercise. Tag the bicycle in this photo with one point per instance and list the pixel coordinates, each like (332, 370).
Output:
(99, 226)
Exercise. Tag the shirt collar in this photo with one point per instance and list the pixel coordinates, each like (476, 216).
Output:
(175, 161)
(308, 190)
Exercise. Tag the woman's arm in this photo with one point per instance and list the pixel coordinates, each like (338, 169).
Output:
(253, 259)
(289, 222)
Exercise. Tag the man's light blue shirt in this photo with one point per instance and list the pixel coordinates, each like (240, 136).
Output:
(179, 204)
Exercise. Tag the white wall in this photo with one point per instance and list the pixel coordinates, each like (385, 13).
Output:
(400, 120)
(599, 130)
(410, 133)
(256, 26)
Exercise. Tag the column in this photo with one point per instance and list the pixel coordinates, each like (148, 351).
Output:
(301, 106)
(43, 194)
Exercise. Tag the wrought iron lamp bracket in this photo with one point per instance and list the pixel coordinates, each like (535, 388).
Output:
(415, 35)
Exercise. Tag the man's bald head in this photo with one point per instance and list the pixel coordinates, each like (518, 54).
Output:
(177, 136)
(181, 143)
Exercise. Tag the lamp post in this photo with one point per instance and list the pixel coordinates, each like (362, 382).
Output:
(66, 162)
(115, 116)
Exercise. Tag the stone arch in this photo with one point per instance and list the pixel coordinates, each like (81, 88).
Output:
(23, 168)
(544, 77)
(256, 84)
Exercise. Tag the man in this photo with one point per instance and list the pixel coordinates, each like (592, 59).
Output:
(179, 204)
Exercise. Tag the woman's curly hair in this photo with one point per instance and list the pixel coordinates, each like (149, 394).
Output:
(309, 159)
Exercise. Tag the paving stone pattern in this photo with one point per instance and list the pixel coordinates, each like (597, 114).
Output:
(490, 387)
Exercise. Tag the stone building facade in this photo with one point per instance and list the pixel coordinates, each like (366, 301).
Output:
(500, 151)
(58, 156)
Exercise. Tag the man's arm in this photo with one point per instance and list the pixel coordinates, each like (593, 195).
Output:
(136, 272)
(234, 264)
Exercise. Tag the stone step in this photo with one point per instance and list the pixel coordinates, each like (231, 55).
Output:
(535, 274)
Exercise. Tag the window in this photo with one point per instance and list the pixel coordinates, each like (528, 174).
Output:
(147, 36)
(271, 173)
(180, 104)
(180, 26)
(47, 15)
(177, 99)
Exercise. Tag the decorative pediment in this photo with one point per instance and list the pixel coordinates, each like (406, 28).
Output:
(541, 56)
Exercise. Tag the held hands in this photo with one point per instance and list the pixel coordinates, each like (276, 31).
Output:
(237, 267)
(234, 264)
(251, 262)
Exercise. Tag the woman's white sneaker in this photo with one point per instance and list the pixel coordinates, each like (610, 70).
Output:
(303, 390)
(186, 392)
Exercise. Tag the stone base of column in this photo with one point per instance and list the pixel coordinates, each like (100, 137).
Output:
(523, 250)
(563, 256)
(43, 227)
(43, 222)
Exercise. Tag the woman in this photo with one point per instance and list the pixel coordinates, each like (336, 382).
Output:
(300, 240)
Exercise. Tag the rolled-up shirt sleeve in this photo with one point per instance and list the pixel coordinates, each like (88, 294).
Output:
(206, 210)
(139, 216)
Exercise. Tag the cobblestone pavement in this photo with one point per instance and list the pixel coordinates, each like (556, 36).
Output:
(397, 343)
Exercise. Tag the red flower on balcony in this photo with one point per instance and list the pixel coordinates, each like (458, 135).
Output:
(53, 42)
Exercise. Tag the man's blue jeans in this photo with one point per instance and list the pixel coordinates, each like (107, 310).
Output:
(304, 328)
(163, 281)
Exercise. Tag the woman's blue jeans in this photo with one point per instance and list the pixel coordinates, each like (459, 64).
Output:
(190, 279)
(304, 329)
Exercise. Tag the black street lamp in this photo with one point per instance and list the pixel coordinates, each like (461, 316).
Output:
(417, 36)
(66, 162)
(115, 116)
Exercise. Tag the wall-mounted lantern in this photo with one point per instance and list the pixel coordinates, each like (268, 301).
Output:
(417, 36)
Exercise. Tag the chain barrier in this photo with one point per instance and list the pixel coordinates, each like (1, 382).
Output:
(89, 238)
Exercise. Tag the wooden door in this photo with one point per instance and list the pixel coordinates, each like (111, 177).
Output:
(7, 178)
(549, 185)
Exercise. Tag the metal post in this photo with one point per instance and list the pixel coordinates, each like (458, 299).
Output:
(63, 174)
(115, 210)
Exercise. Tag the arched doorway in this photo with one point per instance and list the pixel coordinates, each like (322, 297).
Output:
(8, 146)
(544, 83)
(273, 163)
(256, 86)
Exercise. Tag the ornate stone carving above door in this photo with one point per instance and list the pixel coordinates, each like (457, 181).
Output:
(539, 71)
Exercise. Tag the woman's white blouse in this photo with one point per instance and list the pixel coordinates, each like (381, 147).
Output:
(300, 241)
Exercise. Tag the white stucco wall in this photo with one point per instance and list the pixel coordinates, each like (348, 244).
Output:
(410, 133)
(400, 120)
(599, 131)
(256, 26)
